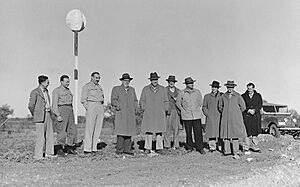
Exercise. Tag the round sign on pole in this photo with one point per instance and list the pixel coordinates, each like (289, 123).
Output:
(76, 20)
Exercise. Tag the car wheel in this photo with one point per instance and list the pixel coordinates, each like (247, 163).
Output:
(273, 130)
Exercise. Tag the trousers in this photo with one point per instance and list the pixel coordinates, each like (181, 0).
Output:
(93, 125)
(44, 138)
(66, 128)
(173, 123)
(196, 127)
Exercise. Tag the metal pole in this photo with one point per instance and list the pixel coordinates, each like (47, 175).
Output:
(76, 77)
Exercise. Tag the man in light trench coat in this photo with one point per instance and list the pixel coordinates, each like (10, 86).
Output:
(231, 105)
(154, 102)
(210, 110)
(125, 103)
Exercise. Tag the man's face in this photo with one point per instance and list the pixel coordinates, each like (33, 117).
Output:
(250, 89)
(96, 78)
(154, 82)
(65, 83)
(46, 83)
(230, 89)
(126, 83)
(214, 89)
(171, 84)
(190, 86)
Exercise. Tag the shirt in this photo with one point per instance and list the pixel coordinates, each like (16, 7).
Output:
(46, 96)
(61, 96)
(91, 92)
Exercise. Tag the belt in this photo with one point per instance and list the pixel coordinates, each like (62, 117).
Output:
(66, 105)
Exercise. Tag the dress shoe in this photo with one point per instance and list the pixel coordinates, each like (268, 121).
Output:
(61, 153)
(87, 152)
(78, 144)
(202, 152)
(147, 151)
(129, 153)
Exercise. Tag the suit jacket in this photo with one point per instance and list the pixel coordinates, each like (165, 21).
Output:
(37, 105)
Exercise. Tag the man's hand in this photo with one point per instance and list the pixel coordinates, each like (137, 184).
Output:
(251, 111)
(59, 119)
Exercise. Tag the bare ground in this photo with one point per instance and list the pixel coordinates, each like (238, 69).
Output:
(277, 165)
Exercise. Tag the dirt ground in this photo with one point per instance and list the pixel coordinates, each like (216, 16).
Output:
(277, 165)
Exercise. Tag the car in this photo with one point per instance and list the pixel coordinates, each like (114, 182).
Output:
(276, 120)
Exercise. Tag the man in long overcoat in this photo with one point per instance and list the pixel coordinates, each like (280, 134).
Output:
(154, 102)
(231, 105)
(124, 100)
(210, 110)
(252, 116)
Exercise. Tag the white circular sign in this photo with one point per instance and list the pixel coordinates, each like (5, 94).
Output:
(76, 20)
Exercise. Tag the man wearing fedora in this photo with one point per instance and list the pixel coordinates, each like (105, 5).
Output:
(154, 102)
(210, 110)
(252, 116)
(92, 98)
(125, 103)
(173, 118)
(231, 105)
(190, 102)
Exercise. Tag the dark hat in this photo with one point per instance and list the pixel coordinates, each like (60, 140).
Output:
(125, 76)
(215, 84)
(230, 84)
(189, 80)
(154, 76)
(171, 78)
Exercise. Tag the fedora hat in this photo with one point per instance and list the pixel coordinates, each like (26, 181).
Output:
(189, 80)
(230, 84)
(153, 76)
(215, 84)
(125, 76)
(171, 78)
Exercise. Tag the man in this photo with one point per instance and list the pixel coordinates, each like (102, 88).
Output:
(63, 110)
(231, 105)
(252, 117)
(190, 102)
(39, 107)
(124, 100)
(210, 110)
(173, 119)
(92, 98)
(154, 102)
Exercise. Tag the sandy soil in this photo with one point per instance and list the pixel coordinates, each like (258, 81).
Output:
(277, 165)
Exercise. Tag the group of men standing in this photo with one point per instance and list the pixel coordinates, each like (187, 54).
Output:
(230, 117)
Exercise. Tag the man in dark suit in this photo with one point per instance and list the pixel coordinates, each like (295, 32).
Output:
(252, 117)
(39, 107)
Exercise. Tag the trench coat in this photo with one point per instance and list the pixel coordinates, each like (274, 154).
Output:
(212, 114)
(125, 105)
(155, 106)
(232, 125)
(252, 122)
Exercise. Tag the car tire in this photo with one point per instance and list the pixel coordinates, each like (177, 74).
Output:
(273, 130)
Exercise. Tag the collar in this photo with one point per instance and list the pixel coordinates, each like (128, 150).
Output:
(64, 88)
(189, 90)
(43, 89)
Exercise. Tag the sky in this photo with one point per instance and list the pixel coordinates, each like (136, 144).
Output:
(245, 41)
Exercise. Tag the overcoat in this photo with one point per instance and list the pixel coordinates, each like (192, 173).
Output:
(252, 122)
(155, 106)
(125, 104)
(37, 105)
(212, 114)
(231, 108)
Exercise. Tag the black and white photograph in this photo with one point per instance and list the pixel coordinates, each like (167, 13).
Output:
(150, 93)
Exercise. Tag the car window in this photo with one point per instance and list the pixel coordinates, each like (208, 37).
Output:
(269, 109)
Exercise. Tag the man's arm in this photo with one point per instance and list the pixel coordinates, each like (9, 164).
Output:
(84, 96)
(143, 100)
(55, 102)
(32, 101)
(205, 106)
(115, 99)
(242, 104)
